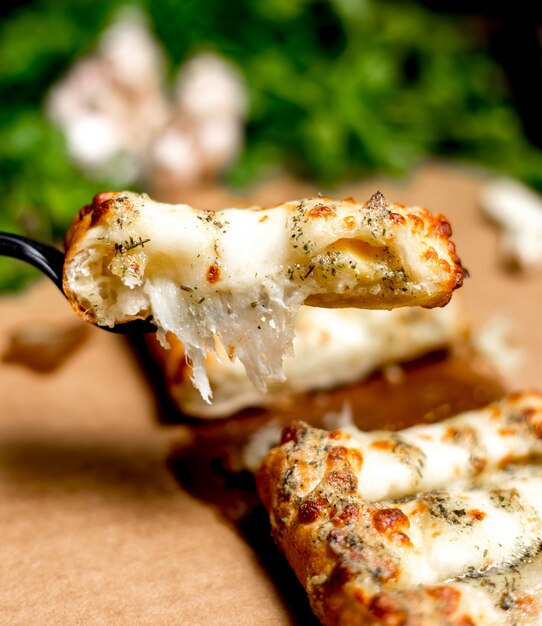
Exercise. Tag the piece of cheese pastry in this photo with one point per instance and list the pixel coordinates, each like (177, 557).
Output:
(242, 275)
(437, 524)
(332, 347)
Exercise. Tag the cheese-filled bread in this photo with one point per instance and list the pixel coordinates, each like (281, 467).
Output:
(242, 274)
(437, 524)
(332, 347)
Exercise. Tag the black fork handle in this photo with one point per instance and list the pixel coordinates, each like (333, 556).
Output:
(46, 258)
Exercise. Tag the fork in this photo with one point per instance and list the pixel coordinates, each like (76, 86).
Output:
(50, 261)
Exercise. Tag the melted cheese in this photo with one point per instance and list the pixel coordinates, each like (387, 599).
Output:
(465, 528)
(331, 347)
(435, 524)
(242, 275)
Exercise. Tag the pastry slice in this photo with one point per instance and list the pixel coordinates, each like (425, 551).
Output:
(242, 275)
(332, 347)
(437, 524)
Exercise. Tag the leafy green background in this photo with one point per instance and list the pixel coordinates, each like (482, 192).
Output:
(338, 89)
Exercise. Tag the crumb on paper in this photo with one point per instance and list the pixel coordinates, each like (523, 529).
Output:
(517, 209)
(492, 341)
(43, 348)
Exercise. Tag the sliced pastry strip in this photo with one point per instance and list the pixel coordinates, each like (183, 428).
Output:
(242, 275)
(424, 526)
(332, 347)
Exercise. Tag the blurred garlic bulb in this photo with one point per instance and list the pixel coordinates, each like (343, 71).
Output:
(517, 209)
(121, 124)
(208, 86)
(205, 131)
(111, 105)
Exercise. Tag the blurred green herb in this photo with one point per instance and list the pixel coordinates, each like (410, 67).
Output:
(338, 88)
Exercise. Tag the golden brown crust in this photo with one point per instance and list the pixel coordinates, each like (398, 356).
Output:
(435, 248)
(335, 540)
(230, 273)
(346, 551)
(102, 206)
(88, 216)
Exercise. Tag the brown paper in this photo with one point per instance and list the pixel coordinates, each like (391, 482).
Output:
(94, 527)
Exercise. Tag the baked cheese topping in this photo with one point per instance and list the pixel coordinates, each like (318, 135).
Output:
(430, 525)
(242, 275)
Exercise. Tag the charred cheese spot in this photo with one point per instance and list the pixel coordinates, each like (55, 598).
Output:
(355, 459)
(100, 208)
(360, 597)
(496, 412)
(339, 462)
(388, 610)
(464, 620)
(294, 432)
(213, 274)
(477, 515)
(389, 520)
(416, 223)
(526, 604)
(343, 479)
(350, 200)
(385, 570)
(446, 597)
(391, 523)
(350, 222)
(529, 413)
(396, 218)
(337, 453)
(383, 444)
(430, 254)
(231, 351)
(452, 434)
(505, 432)
(347, 514)
(321, 211)
(311, 510)
(460, 435)
(339, 577)
(440, 227)
(401, 538)
(99, 198)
